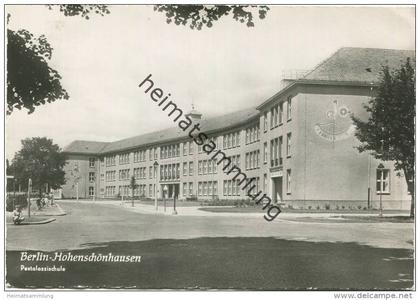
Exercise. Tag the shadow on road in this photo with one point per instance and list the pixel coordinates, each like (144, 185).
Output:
(223, 263)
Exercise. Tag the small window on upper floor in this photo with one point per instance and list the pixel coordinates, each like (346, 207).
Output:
(91, 162)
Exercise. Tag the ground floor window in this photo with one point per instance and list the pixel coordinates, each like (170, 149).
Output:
(91, 191)
(191, 188)
(289, 181)
(382, 181)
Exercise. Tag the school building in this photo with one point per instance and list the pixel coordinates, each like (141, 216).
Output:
(299, 145)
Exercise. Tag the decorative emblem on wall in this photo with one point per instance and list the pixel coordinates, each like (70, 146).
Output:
(338, 124)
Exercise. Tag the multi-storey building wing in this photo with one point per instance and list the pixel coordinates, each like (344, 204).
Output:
(299, 145)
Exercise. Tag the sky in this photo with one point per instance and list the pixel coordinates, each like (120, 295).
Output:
(221, 69)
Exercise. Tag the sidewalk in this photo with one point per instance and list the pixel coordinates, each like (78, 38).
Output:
(38, 217)
(195, 211)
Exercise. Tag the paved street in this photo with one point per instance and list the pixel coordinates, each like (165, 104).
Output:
(87, 223)
(196, 252)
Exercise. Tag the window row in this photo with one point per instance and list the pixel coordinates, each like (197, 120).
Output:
(252, 160)
(208, 166)
(140, 155)
(207, 188)
(254, 187)
(188, 168)
(124, 174)
(124, 158)
(231, 187)
(232, 140)
(140, 173)
(276, 158)
(212, 139)
(169, 151)
(169, 172)
(276, 114)
(252, 134)
(110, 175)
(188, 148)
(230, 162)
(110, 160)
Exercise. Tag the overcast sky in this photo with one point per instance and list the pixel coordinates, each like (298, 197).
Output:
(221, 69)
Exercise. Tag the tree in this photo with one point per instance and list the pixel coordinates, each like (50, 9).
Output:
(195, 16)
(42, 161)
(133, 186)
(31, 82)
(389, 131)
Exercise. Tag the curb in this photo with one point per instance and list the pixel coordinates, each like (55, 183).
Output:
(35, 223)
(61, 212)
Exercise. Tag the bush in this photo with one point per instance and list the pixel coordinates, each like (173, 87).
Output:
(327, 206)
(337, 207)
(309, 207)
(359, 207)
(18, 200)
(317, 207)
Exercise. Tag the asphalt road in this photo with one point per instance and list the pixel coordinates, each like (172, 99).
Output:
(179, 252)
(87, 223)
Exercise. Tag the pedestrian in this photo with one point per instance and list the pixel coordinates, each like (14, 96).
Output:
(17, 215)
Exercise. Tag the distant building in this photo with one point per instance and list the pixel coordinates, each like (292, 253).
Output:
(299, 145)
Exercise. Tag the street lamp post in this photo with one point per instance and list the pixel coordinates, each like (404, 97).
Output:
(155, 166)
(29, 196)
(381, 168)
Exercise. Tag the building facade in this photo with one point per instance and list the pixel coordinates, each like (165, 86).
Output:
(298, 145)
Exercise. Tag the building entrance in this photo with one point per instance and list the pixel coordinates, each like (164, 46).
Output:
(170, 191)
(277, 191)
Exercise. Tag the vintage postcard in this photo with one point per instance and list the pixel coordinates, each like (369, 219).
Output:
(202, 147)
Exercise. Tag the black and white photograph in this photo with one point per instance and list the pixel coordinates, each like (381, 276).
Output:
(210, 147)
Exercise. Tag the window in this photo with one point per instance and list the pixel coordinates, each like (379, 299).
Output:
(184, 189)
(289, 181)
(191, 168)
(265, 122)
(184, 148)
(382, 181)
(289, 108)
(91, 191)
(150, 190)
(91, 176)
(124, 158)
(204, 188)
(200, 167)
(280, 113)
(265, 183)
(200, 189)
(110, 161)
(191, 188)
(265, 153)
(91, 162)
(289, 144)
(150, 172)
(204, 166)
(184, 169)
(191, 148)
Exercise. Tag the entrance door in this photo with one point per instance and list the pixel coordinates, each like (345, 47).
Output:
(277, 184)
